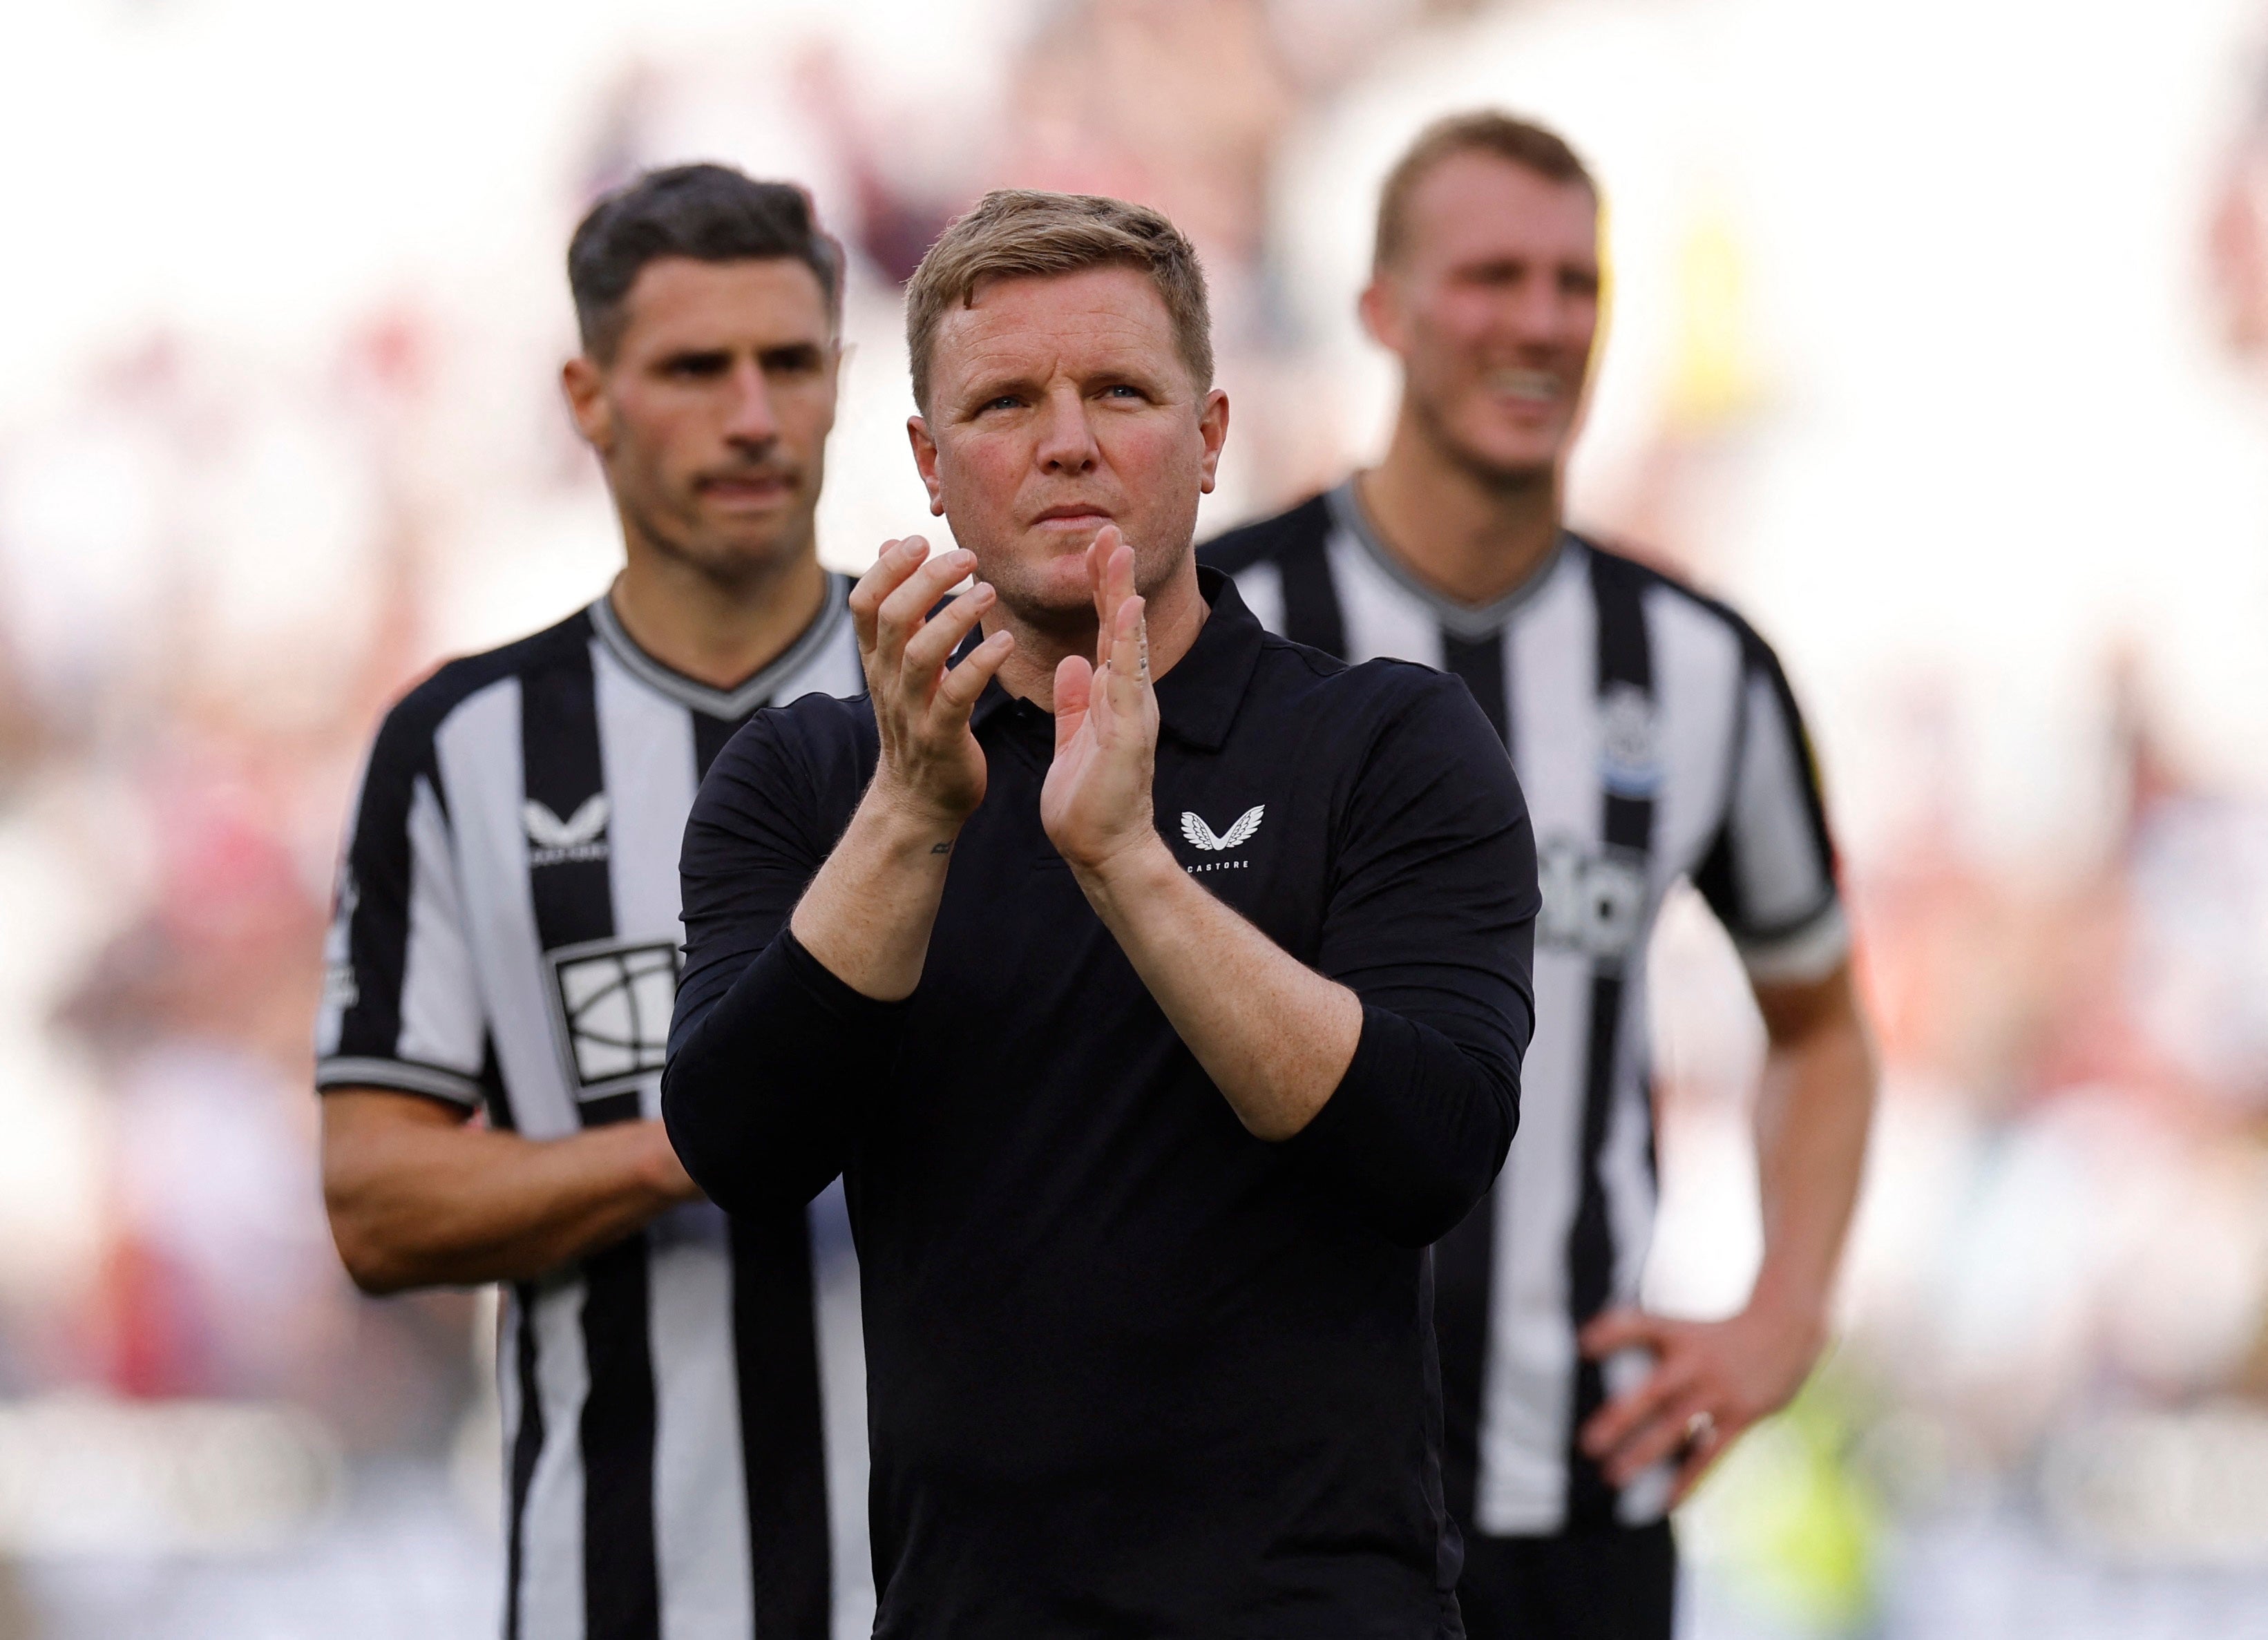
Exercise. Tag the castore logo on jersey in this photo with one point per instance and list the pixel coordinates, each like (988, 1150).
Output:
(1202, 836)
(555, 841)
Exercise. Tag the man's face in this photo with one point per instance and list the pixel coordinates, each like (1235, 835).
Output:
(710, 417)
(1055, 406)
(1492, 305)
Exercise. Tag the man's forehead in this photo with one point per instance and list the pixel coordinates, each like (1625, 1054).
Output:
(1089, 314)
(1475, 204)
(677, 299)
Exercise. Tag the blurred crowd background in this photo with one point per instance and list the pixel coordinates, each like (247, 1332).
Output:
(1938, 342)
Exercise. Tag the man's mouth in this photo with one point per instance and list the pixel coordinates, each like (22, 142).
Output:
(1071, 518)
(1527, 386)
(746, 488)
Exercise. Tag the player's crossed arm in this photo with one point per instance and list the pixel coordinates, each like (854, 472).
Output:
(419, 1197)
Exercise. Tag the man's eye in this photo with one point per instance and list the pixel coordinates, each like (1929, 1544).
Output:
(1005, 401)
(697, 368)
(1122, 390)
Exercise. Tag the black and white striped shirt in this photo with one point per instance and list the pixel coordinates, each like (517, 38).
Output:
(1656, 738)
(507, 938)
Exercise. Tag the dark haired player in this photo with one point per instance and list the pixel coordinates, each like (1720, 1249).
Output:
(507, 943)
(1656, 739)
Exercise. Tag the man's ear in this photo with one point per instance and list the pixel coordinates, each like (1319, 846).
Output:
(1381, 313)
(585, 387)
(1212, 427)
(925, 459)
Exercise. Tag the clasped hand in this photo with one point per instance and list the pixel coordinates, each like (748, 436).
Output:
(1095, 804)
(931, 770)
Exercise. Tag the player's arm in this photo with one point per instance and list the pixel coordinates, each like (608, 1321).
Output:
(1282, 1041)
(419, 1197)
(781, 1032)
(1713, 1380)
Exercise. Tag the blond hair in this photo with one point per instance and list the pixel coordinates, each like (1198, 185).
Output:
(1024, 233)
(1483, 131)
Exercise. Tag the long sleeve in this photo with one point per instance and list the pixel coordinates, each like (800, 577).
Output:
(772, 1060)
(1432, 923)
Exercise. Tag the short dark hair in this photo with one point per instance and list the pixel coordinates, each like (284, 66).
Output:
(1483, 131)
(1023, 232)
(711, 213)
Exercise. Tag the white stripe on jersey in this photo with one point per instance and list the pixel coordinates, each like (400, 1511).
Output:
(843, 1392)
(1380, 620)
(440, 992)
(645, 748)
(551, 1557)
(1775, 860)
(477, 748)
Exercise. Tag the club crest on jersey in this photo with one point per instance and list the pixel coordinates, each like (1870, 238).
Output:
(1630, 758)
(610, 1007)
(1594, 899)
(555, 841)
(1204, 838)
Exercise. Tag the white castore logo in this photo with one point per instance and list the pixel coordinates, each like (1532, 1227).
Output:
(1202, 835)
(577, 838)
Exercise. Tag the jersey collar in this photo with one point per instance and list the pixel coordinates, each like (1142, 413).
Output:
(1469, 621)
(743, 697)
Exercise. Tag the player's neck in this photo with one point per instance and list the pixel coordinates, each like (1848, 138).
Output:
(717, 634)
(1470, 538)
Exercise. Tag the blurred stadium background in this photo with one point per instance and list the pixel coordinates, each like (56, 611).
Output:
(1940, 343)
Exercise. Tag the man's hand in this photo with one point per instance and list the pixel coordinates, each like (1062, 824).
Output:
(1095, 805)
(1711, 1381)
(931, 770)
(867, 915)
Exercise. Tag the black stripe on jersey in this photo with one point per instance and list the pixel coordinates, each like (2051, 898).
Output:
(526, 1446)
(782, 1450)
(622, 1581)
(559, 748)
(710, 735)
(1298, 542)
(1625, 661)
(495, 1099)
(1464, 1261)
(573, 898)
(1480, 663)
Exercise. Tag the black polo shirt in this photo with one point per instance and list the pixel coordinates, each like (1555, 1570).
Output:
(1131, 1369)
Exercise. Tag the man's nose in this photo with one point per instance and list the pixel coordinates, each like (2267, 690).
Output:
(752, 421)
(1066, 439)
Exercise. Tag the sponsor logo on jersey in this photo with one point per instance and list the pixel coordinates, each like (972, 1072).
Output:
(1204, 838)
(1629, 756)
(611, 1001)
(555, 842)
(1594, 898)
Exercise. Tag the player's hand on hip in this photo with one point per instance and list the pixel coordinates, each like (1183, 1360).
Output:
(931, 766)
(1709, 1381)
(1095, 804)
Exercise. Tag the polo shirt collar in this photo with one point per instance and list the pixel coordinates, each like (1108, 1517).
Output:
(1196, 700)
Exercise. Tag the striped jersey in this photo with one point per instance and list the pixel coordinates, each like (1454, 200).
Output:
(506, 937)
(1656, 739)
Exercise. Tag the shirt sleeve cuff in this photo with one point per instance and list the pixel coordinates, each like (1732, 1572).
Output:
(1812, 950)
(834, 995)
(397, 1076)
